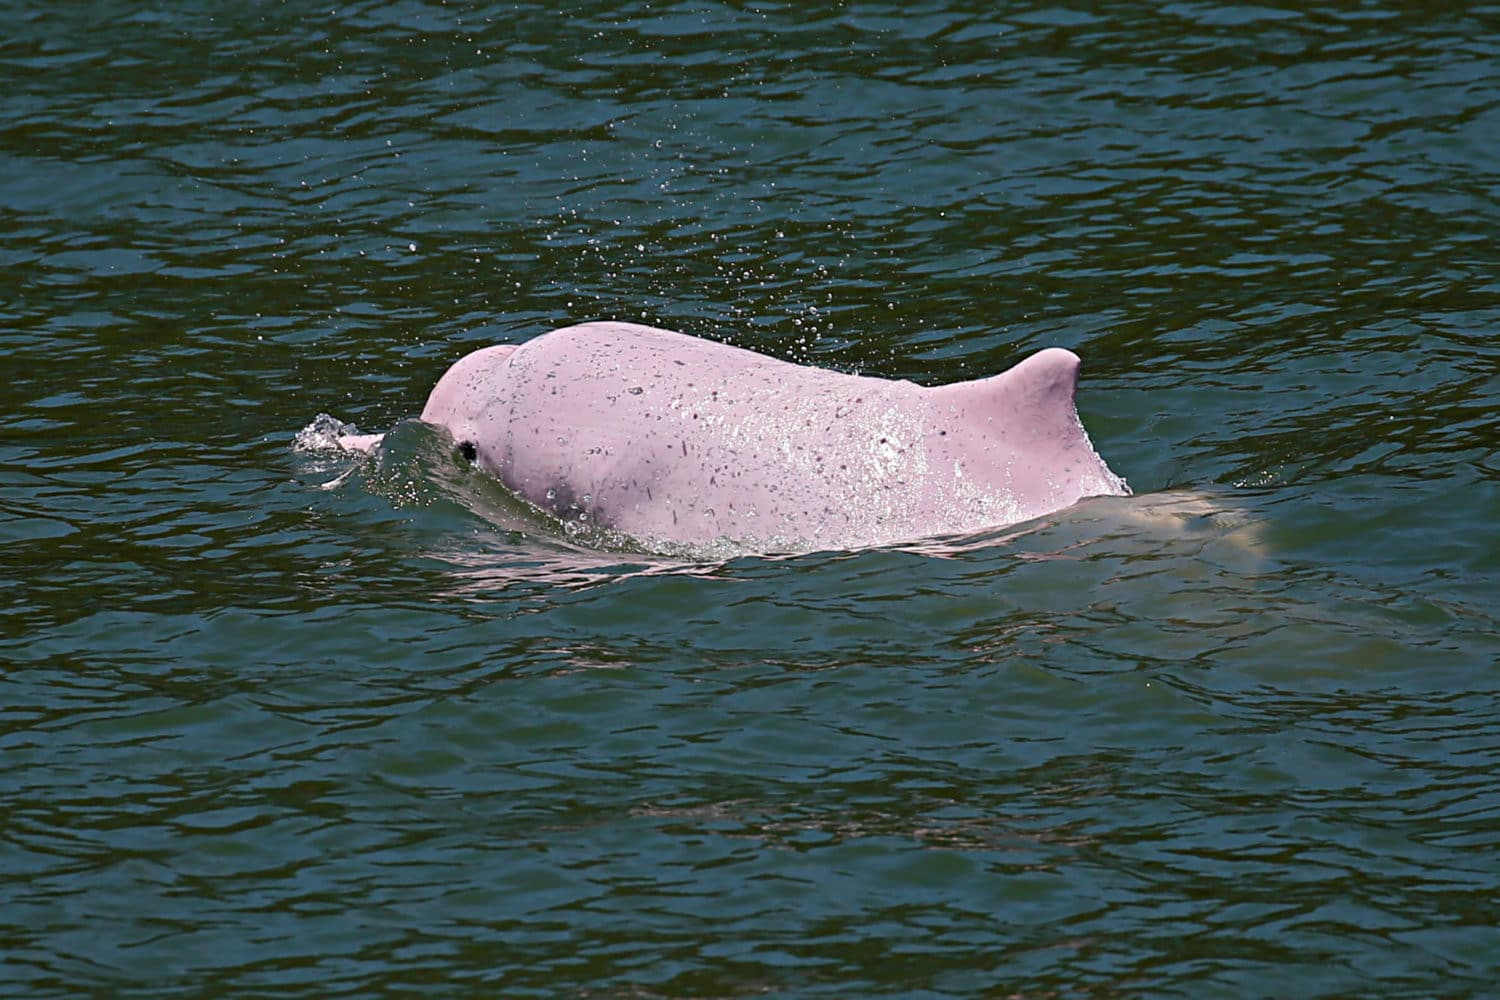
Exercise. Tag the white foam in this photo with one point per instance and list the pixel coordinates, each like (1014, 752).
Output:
(322, 434)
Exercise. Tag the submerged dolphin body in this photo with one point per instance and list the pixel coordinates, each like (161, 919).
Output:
(675, 440)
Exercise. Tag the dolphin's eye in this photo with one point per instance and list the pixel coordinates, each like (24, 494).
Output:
(467, 450)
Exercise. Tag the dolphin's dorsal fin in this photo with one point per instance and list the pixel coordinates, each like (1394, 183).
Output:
(1031, 403)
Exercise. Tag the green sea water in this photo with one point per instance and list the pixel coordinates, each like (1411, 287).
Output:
(274, 722)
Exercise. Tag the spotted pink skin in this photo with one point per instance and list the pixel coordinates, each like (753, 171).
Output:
(672, 439)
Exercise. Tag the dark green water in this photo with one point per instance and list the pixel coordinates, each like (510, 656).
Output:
(260, 737)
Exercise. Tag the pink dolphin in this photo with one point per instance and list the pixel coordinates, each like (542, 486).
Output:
(674, 440)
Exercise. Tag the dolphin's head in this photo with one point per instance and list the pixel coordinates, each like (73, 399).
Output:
(465, 392)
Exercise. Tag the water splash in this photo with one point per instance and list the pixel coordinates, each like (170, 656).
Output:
(322, 435)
